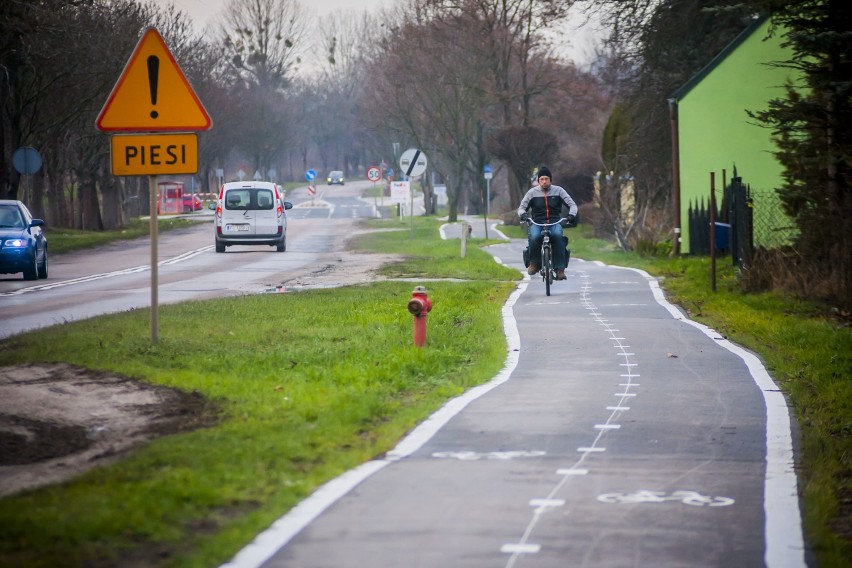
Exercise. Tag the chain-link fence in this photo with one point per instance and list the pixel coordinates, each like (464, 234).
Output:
(772, 228)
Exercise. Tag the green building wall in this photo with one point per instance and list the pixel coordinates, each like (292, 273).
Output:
(714, 130)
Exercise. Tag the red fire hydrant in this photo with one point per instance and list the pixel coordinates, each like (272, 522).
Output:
(419, 305)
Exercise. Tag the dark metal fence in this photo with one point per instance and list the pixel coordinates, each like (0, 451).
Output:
(741, 213)
(699, 223)
(745, 221)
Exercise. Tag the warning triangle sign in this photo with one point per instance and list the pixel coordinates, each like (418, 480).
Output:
(152, 94)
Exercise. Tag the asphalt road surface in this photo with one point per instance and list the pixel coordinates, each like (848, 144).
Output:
(117, 277)
(618, 434)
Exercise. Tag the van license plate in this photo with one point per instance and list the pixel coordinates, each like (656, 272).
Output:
(236, 227)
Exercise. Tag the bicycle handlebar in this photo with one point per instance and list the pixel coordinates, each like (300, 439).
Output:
(531, 222)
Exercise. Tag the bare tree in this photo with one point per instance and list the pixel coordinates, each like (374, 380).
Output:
(341, 81)
(60, 74)
(263, 40)
(510, 32)
(522, 146)
(512, 42)
(432, 87)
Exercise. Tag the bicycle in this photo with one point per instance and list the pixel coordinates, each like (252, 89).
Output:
(686, 497)
(548, 274)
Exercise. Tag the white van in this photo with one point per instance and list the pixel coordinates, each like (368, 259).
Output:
(251, 213)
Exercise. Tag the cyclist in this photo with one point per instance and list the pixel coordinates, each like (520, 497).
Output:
(545, 202)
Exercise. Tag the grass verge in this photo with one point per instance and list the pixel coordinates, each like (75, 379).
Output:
(68, 240)
(309, 385)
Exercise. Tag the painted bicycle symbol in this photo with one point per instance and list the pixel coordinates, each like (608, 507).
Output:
(686, 497)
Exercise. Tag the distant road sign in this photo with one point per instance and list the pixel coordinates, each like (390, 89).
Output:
(400, 191)
(26, 160)
(412, 163)
(152, 93)
(374, 174)
(310, 175)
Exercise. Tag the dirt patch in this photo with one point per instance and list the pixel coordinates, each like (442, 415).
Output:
(347, 269)
(58, 421)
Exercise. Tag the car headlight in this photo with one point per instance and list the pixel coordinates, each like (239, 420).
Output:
(16, 243)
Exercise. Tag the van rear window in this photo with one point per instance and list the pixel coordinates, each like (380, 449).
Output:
(265, 199)
(249, 199)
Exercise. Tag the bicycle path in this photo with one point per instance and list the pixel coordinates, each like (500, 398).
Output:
(619, 433)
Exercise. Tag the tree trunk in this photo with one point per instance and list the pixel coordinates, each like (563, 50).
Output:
(90, 211)
(113, 196)
(518, 187)
(36, 204)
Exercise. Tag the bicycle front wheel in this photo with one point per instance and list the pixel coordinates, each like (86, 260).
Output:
(547, 269)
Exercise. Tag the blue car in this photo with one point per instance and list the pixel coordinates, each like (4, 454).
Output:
(23, 244)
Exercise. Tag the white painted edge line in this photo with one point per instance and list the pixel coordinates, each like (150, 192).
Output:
(92, 277)
(499, 232)
(783, 529)
(282, 531)
(572, 471)
(270, 541)
(520, 548)
(547, 502)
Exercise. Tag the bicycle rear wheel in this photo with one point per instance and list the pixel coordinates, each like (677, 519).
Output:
(547, 269)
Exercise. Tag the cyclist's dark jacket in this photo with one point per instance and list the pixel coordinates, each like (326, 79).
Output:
(546, 206)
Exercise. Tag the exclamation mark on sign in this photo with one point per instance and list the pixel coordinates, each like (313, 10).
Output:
(153, 77)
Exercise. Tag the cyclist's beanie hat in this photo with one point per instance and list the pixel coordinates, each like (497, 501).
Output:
(544, 171)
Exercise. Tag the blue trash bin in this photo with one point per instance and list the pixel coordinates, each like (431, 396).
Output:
(723, 235)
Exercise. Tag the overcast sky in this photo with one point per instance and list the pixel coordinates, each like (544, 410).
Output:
(577, 44)
(203, 11)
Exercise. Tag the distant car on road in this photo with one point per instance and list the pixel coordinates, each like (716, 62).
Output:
(335, 177)
(251, 213)
(191, 203)
(23, 244)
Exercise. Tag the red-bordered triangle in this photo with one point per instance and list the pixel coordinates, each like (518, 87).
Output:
(152, 94)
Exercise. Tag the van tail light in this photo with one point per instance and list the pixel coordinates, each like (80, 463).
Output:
(280, 208)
